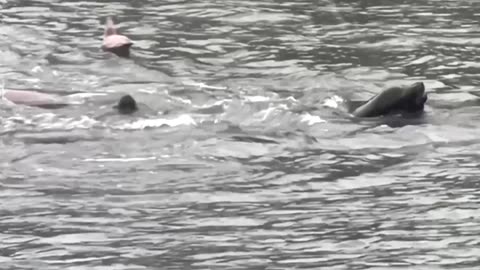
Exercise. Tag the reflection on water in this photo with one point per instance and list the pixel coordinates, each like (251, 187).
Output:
(250, 160)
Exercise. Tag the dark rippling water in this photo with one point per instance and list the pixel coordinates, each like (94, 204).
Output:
(252, 161)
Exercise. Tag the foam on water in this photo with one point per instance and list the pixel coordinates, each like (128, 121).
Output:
(333, 102)
(181, 120)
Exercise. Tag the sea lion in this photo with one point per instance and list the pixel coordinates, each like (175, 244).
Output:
(126, 105)
(115, 43)
(395, 100)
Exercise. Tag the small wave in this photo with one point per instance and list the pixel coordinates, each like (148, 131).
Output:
(392, 44)
(56, 137)
(132, 159)
(48, 121)
(257, 17)
(53, 122)
(209, 105)
(203, 85)
(182, 120)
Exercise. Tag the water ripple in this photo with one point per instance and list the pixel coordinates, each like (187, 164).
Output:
(250, 159)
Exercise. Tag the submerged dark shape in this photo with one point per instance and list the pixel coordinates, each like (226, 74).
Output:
(114, 42)
(126, 105)
(395, 100)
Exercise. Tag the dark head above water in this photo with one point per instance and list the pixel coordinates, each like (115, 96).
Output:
(414, 98)
(126, 105)
(401, 99)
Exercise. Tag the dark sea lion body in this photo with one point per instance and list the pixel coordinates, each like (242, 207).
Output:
(122, 50)
(395, 100)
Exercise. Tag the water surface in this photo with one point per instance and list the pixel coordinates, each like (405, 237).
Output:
(251, 161)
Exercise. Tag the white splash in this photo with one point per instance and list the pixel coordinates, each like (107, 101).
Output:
(264, 114)
(422, 60)
(312, 119)
(292, 99)
(50, 121)
(203, 85)
(332, 102)
(256, 98)
(181, 100)
(185, 120)
(37, 69)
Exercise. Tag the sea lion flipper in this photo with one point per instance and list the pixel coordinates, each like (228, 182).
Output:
(109, 27)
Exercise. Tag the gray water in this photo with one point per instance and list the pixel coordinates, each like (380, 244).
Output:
(252, 161)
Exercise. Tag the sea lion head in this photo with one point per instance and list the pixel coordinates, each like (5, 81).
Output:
(405, 100)
(126, 105)
(413, 99)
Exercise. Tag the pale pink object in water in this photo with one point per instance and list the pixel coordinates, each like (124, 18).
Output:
(33, 98)
(115, 43)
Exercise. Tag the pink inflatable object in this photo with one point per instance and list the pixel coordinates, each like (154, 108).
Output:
(115, 43)
(33, 98)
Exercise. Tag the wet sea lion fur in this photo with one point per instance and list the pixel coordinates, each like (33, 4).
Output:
(126, 105)
(394, 100)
